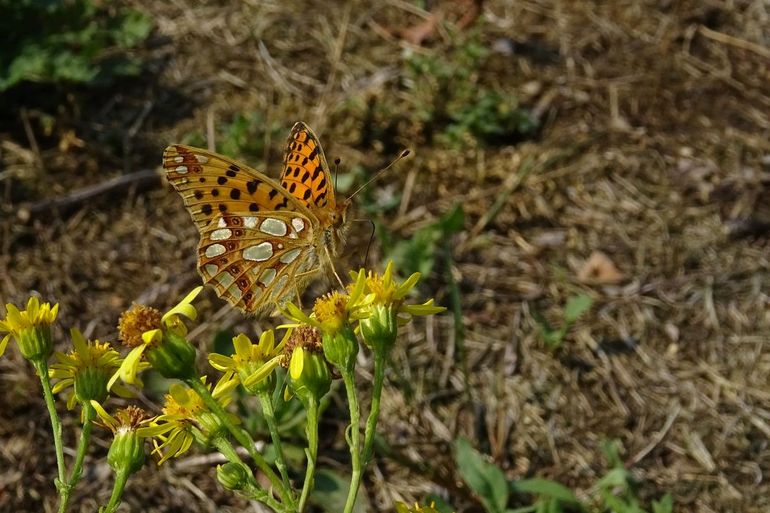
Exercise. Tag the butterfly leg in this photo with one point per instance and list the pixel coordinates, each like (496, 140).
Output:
(331, 264)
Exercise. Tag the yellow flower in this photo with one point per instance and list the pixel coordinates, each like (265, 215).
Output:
(186, 418)
(334, 310)
(144, 329)
(388, 309)
(31, 328)
(403, 508)
(87, 368)
(251, 364)
(389, 293)
(126, 452)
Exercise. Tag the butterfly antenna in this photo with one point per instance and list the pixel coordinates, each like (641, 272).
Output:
(403, 155)
(336, 171)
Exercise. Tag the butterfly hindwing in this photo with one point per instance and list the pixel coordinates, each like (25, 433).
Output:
(256, 259)
(306, 174)
(212, 185)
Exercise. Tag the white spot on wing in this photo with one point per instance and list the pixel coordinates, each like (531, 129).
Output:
(267, 276)
(221, 234)
(179, 159)
(210, 269)
(290, 255)
(298, 224)
(222, 223)
(250, 222)
(272, 226)
(258, 253)
(202, 159)
(224, 279)
(214, 250)
(181, 169)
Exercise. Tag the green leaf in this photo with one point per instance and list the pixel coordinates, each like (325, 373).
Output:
(331, 492)
(484, 478)
(664, 505)
(576, 307)
(617, 477)
(545, 488)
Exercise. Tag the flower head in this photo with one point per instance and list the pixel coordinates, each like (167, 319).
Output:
(388, 308)
(186, 418)
(160, 339)
(87, 368)
(403, 508)
(252, 364)
(31, 328)
(127, 449)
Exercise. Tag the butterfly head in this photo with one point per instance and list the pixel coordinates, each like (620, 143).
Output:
(338, 223)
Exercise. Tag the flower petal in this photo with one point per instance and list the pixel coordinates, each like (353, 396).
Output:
(184, 307)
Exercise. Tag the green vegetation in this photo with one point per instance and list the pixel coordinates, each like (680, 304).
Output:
(614, 492)
(575, 308)
(75, 42)
(447, 97)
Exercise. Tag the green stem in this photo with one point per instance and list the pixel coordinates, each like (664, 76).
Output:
(89, 414)
(374, 412)
(121, 477)
(251, 490)
(312, 451)
(272, 425)
(41, 366)
(241, 436)
(355, 439)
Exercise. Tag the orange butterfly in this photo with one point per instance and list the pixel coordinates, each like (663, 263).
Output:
(261, 240)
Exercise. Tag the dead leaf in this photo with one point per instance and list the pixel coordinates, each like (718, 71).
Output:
(600, 269)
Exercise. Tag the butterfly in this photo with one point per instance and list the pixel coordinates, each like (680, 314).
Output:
(262, 240)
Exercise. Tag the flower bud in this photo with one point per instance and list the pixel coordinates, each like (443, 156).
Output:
(232, 476)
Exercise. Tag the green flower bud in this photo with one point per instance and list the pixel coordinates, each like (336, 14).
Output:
(380, 328)
(174, 357)
(341, 348)
(232, 476)
(126, 453)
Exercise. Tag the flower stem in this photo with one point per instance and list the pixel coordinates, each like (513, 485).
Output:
(355, 439)
(121, 478)
(269, 413)
(374, 412)
(41, 366)
(241, 436)
(89, 414)
(312, 451)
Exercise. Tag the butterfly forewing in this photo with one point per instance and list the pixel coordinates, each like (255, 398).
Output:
(306, 173)
(212, 184)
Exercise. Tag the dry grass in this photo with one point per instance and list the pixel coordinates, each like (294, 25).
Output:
(654, 150)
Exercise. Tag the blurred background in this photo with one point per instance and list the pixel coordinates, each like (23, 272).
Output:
(588, 194)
